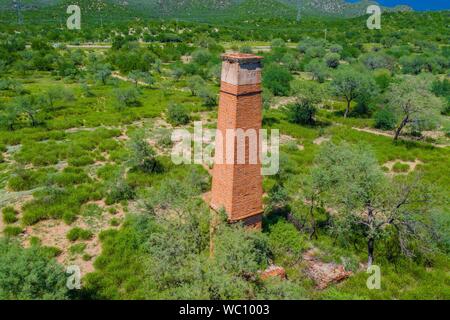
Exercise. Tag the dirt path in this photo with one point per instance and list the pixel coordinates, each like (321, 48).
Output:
(117, 75)
(391, 134)
(89, 46)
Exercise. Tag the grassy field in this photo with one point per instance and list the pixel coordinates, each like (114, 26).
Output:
(68, 183)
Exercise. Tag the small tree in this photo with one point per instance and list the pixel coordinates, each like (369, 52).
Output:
(309, 95)
(140, 77)
(332, 60)
(277, 79)
(369, 204)
(385, 119)
(29, 106)
(278, 43)
(318, 69)
(143, 157)
(201, 56)
(290, 62)
(51, 96)
(177, 114)
(9, 117)
(102, 72)
(208, 96)
(127, 98)
(302, 112)
(412, 101)
(177, 73)
(28, 274)
(195, 84)
(351, 84)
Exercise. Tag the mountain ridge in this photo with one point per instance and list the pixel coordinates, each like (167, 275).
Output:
(237, 8)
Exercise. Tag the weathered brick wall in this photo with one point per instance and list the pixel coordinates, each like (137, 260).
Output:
(238, 187)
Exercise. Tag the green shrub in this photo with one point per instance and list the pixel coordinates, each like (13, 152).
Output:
(27, 274)
(165, 139)
(79, 234)
(35, 241)
(112, 210)
(77, 248)
(127, 98)
(9, 215)
(177, 114)
(54, 202)
(108, 145)
(81, 161)
(23, 179)
(401, 167)
(277, 79)
(51, 252)
(142, 156)
(90, 210)
(385, 119)
(12, 231)
(114, 222)
(285, 241)
(332, 60)
(246, 49)
(302, 112)
(120, 190)
(86, 257)
(69, 176)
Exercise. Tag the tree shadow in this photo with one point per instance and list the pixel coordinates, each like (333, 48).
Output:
(274, 216)
(269, 121)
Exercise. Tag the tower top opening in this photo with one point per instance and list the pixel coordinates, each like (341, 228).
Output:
(241, 57)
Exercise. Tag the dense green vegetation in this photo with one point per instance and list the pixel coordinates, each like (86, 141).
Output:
(85, 141)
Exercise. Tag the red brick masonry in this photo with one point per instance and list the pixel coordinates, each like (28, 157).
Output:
(237, 188)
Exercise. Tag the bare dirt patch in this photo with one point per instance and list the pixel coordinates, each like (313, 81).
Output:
(53, 233)
(282, 101)
(321, 140)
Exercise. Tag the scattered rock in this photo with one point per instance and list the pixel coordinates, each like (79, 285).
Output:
(273, 272)
(323, 273)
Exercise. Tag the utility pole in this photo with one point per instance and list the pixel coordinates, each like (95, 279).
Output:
(299, 14)
(17, 6)
(326, 30)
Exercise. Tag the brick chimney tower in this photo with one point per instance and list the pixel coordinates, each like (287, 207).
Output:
(237, 186)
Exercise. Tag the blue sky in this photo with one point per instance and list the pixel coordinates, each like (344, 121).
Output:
(416, 4)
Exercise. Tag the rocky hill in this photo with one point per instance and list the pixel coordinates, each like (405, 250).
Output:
(205, 8)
